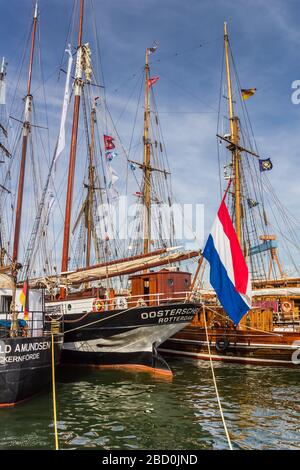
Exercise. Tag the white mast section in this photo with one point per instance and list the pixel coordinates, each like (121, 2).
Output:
(2, 82)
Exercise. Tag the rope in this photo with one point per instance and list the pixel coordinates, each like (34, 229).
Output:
(54, 395)
(98, 321)
(215, 385)
(77, 319)
(246, 326)
(101, 320)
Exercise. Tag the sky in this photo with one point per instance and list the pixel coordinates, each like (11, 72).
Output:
(265, 40)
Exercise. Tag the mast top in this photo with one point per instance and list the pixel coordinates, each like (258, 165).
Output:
(35, 10)
(3, 66)
(225, 28)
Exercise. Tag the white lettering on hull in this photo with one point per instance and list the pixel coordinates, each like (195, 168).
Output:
(22, 351)
(170, 315)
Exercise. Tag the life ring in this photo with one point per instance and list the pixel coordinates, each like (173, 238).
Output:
(222, 344)
(286, 307)
(98, 305)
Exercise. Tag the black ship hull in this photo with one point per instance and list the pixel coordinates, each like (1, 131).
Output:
(126, 339)
(25, 367)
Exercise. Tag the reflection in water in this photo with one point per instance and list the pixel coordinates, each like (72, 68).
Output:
(120, 410)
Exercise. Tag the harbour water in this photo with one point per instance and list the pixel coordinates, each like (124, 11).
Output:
(122, 410)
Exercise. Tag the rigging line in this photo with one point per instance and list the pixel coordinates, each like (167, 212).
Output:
(253, 260)
(128, 78)
(215, 383)
(44, 93)
(128, 101)
(281, 209)
(19, 71)
(107, 197)
(98, 48)
(133, 130)
(69, 32)
(243, 103)
(285, 214)
(160, 133)
(285, 246)
(287, 225)
(188, 112)
(189, 92)
(56, 69)
(266, 333)
(185, 51)
(247, 120)
(218, 123)
(98, 55)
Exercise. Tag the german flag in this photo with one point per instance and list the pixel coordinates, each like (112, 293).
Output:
(24, 300)
(247, 92)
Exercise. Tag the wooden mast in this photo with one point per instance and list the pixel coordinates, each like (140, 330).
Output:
(77, 93)
(26, 131)
(146, 165)
(234, 137)
(2, 128)
(91, 185)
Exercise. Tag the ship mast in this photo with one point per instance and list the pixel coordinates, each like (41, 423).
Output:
(90, 198)
(146, 163)
(4, 133)
(234, 138)
(26, 132)
(77, 92)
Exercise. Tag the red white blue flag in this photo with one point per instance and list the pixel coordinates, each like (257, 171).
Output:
(229, 274)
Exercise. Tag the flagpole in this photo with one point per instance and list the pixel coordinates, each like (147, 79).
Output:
(146, 163)
(234, 138)
(72, 160)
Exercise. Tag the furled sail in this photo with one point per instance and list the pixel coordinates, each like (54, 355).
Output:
(6, 282)
(120, 267)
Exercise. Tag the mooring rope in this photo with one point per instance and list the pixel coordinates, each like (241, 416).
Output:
(270, 333)
(215, 385)
(54, 394)
(100, 320)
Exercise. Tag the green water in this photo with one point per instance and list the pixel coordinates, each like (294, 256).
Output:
(123, 410)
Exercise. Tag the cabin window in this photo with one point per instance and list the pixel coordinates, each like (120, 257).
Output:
(170, 282)
(5, 303)
(146, 286)
(186, 282)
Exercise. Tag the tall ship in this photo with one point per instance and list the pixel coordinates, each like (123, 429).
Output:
(269, 333)
(30, 340)
(118, 307)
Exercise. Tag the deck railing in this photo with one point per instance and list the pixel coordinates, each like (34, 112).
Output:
(118, 302)
(38, 324)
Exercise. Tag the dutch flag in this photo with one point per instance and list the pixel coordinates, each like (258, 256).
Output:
(229, 274)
